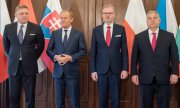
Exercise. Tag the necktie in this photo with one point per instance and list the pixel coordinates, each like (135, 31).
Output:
(154, 41)
(20, 34)
(65, 39)
(108, 36)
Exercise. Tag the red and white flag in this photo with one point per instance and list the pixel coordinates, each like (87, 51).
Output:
(134, 22)
(4, 19)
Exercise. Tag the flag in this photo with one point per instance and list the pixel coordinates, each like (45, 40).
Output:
(178, 44)
(168, 18)
(134, 22)
(49, 23)
(178, 41)
(32, 18)
(4, 19)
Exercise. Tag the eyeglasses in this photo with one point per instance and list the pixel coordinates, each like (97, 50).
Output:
(108, 13)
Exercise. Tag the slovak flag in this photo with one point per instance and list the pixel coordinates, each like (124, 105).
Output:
(49, 23)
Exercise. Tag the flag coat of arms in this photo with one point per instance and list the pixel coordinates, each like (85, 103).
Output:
(49, 23)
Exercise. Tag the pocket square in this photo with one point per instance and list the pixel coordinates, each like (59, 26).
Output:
(32, 34)
(117, 35)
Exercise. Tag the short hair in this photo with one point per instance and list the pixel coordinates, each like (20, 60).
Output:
(21, 7)
(69, 11)
(107, 6)
(152, 11)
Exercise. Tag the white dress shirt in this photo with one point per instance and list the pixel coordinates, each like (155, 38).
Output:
(24, 28)
(68, 32)
(105, 29)
(151, 35)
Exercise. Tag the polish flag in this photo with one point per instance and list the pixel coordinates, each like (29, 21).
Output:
(4, 19)
(134, 22)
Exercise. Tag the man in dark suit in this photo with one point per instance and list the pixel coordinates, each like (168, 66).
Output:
(109, 58)
(65, 48)
(23, 43)
(154, 63)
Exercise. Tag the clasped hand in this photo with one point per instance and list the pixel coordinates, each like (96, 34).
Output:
(63, 59)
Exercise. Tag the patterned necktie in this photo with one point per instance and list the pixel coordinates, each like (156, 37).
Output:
(20, 34)
(108, 36)
(153, 41)
(65, 39)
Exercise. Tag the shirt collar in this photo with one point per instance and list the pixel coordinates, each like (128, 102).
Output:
(69, 29)
(19, 25)
(105, 25)
(150, 31)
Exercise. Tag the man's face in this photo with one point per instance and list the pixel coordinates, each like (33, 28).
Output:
(66, 20)
(153, 20)
(22, 15)
(108, 15)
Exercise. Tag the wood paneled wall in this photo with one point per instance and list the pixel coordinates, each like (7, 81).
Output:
(86, 16)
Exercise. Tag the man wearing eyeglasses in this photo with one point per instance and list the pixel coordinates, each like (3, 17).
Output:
(109, 58)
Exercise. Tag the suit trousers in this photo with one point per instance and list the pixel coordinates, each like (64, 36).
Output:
(160, 91)
(109, 82)
(16, 83)
(72, 85)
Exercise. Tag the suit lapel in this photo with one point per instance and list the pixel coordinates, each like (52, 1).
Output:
(28, 31)
(113, 33)
(147, 40)
(70, 38)
(14, 32)
(59, 39)
(158, 38)
(101, 34)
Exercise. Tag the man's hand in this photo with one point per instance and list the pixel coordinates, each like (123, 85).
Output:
(94, 76)
(124, 74)
(63, 59)
(135, 79)
(173, 79)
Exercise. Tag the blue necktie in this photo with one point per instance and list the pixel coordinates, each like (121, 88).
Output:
(20, 34)
(65, 39)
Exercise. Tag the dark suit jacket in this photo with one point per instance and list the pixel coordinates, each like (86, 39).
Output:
(76, 48)
(31, 48)
(115, 57)
(160, 63)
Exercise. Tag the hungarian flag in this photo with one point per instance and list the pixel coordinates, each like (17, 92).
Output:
(168, 18)
(4, 19)
(178, 44)
(32, 18)
(134, 22)
(178, 41)
(49, 23)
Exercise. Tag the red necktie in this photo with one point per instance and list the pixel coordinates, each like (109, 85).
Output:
(108, 36)
(154, 41)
